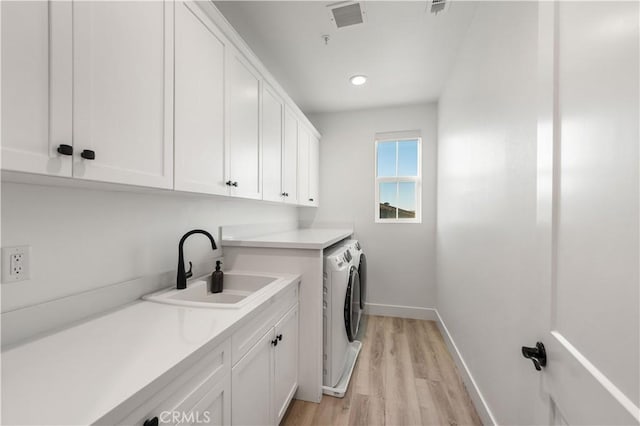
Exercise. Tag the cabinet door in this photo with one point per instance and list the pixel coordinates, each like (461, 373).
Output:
(123, 91)
(290, 157)
(36, 86)
(303, 166)
(314, 170)
(272, 121)
(199, 102)
(286, 362)
(251, 385)
(243, 127)
(214, 408)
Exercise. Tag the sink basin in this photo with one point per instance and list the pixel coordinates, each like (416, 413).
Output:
(238, 290)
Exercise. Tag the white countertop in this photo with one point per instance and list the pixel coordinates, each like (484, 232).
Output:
(80, 374)
(313, 239)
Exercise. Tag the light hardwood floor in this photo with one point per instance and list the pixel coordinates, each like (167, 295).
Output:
(404, 376)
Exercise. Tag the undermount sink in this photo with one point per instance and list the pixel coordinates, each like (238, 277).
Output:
(237, 291)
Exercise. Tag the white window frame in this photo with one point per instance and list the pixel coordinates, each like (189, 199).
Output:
(405, 136)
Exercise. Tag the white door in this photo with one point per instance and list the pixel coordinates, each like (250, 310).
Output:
(252, 385)
(314, 170)
(290, 157)
(303, 165)
(272, 121)
(199, 102)
(36, 87)
(123, 92)
(286, 362)
(243, 127)
(588, 195)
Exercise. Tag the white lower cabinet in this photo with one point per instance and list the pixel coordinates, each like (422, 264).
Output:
(249, 379)
(214, 408)
(198, 393)
(286, 362)
(252, 376)
(266, 378)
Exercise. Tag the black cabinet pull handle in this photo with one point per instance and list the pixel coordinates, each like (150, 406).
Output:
(284, 194)
(228, 183)
(65, 149)
(274, 342)
(310, 199)
(88, 154)
(279, 337)
(152, 422)
(537, 355)
(235, 184)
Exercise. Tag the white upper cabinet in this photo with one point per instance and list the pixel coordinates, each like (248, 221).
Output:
(314, 170)
(308, 167)
(272, 122)
(290, 157)
(199, 102)
(36, 108)
(157, 94)
(243, 127)
(303, 165)
(123, 92)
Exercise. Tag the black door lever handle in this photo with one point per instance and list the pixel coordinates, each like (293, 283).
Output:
(537, 355)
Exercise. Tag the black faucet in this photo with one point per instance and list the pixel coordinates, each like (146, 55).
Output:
(181, 282)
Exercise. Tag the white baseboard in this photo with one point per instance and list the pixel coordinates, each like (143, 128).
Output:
(398, 311)
(472, 387)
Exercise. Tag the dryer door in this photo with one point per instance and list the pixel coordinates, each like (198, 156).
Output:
(362, 271)
(352, 311)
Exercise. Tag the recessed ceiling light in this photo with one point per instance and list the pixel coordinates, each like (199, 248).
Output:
(358, 80)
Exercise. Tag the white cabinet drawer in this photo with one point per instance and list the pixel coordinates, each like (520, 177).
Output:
(249, 334)
(180, 388)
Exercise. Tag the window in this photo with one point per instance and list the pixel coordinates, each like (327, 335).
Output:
(398, 178)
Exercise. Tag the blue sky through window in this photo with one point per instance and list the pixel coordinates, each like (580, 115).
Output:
(396, 159)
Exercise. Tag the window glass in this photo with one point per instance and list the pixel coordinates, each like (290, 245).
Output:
(388, 200)
(398, 180)
(406, 200)
(408, 158)
(387, 159)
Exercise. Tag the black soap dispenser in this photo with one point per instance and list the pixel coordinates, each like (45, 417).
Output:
(216, 279)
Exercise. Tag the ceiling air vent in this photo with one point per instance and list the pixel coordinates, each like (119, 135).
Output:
(438, 6)
(345, 14)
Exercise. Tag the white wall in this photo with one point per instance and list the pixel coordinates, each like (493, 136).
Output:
(401, 257)
(487, 206)
(82, 239)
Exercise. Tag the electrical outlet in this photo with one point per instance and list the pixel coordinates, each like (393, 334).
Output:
(15, 264)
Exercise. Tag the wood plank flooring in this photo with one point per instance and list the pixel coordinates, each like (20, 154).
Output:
(404, 376)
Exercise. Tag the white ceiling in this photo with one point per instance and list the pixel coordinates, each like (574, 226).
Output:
(405, 50)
